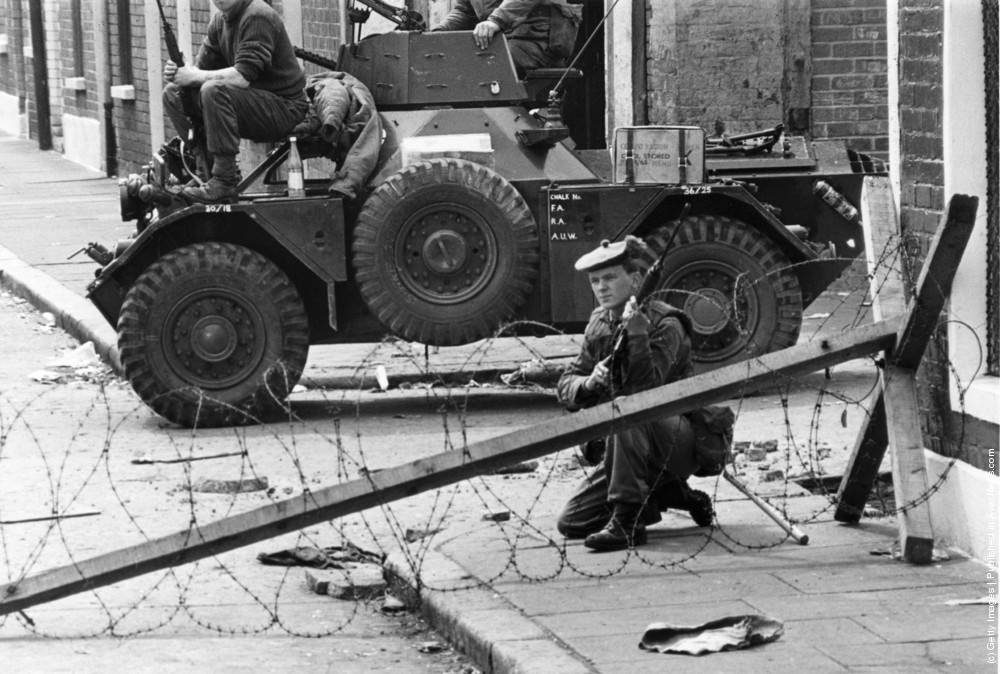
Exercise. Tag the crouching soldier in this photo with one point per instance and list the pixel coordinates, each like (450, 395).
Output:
(646, 466)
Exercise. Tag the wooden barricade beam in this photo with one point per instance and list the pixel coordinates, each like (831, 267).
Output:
(443, 469)
(895, 416)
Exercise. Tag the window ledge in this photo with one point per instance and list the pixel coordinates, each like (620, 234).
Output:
(123, 92)
(75, 83)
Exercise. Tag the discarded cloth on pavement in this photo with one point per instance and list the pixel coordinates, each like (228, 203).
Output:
(724, 634)
(332, 557)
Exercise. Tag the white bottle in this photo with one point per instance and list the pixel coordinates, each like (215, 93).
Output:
(296, 183)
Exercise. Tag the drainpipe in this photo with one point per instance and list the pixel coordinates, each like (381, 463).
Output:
(41, 71)
(342, 8)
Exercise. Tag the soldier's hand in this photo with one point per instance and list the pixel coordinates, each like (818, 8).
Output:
(169, 71)
(484, 32)
(598, 378)
(186, 76)
(635, 321)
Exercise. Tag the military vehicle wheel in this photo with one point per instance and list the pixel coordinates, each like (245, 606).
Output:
(734, 284)
(213, 334)
(444, 251)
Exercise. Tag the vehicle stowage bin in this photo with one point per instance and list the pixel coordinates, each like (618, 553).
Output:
(659, 154)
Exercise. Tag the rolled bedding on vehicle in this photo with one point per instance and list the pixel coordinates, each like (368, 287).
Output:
(342, 113)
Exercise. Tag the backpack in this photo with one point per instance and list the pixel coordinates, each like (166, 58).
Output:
(713, 438)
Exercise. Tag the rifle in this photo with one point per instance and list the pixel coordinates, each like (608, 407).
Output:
(196, 130)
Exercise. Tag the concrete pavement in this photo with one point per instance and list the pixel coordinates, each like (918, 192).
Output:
(514, 595)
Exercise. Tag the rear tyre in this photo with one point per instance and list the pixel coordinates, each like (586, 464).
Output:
(444, 251)
(213, 334)
(735, 285)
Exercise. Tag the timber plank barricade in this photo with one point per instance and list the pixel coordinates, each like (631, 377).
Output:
(894, 419)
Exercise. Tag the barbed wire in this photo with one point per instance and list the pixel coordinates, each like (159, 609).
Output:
(98, 492)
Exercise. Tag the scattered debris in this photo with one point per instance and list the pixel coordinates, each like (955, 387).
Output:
(361, 582)
(392, 605)
(894, 552)
(742, 446)
(48, 319)
(209, 486)
(816, 316)
(49, 518)
(756, 453)
(725, 634)
(824, 452)
(332, 557)
(382, 377)
(81, 362)
(774, 475)
(535, 370)
(524, 467)
(47, 377)
(431, 647)
(496, 515)
(145, 460)
(299, 388)
(84, 355)
(987, 599)
(414, 535)
(769, 445)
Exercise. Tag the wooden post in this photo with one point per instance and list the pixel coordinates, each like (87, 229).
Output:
(897, 394)
(443, 469)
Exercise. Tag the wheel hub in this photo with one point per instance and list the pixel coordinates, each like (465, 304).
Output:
(214, 338)
(722, 310)
(446, 254)
(707, 310)
(445, 251)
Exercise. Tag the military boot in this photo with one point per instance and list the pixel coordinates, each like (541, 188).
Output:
(624, 530)
(221, 187)
(699, 506)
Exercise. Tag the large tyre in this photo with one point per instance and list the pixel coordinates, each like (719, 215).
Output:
(444, 251)
(213, 334)
(735, 285)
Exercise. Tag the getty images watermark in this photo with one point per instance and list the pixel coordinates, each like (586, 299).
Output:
(991, 562)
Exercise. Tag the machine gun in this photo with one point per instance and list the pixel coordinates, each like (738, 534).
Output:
(404, 18)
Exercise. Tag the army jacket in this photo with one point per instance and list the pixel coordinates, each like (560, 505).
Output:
(551, 22)
(660, 356)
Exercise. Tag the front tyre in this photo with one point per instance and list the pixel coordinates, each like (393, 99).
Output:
(213, 334)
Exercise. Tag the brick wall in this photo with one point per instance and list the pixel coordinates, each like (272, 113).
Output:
(10, 26)
(849, 83)
(718, 64)
(131, 118)
(81, 103)
(320, 29)
(724, 65)
(922, 185)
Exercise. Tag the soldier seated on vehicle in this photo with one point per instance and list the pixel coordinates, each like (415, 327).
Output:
(249, 85)
(540, 33)
(645, 467)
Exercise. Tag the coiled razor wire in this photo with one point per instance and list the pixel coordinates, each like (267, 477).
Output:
(330, 437)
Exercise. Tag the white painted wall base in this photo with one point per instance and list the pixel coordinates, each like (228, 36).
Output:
(964, 511)
(82, 140)
(10, 118)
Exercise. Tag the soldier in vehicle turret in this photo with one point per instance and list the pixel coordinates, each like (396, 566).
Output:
(540, 33)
